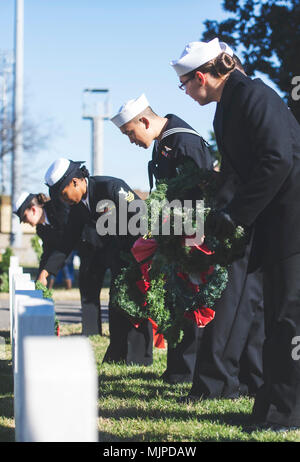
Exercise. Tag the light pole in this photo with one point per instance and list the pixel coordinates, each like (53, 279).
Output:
(96, 114)
(6, 61)
(16, 233)
(3, 134)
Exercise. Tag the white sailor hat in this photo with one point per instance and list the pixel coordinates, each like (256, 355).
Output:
(226, 48)
(22, 203)
(195, 54)
(129, 110)
(60, 173)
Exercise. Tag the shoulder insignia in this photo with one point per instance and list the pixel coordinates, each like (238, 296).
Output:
(166, 152)
(128, 195)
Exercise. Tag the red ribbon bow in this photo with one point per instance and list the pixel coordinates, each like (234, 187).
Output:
(142, 250)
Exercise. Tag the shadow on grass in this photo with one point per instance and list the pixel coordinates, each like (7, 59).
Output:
(127, 385)
(7, 434)
(103, 377)
(6, 374)
(5, 334)
(239, 419)
(6, 388)
(128, 394)
(7, 407)
(155, 395)
(107, 437)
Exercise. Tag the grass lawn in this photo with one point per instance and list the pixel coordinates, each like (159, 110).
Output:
(135, 405)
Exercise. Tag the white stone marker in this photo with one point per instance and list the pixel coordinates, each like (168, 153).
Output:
(59, 391)
(20, 281)
(13, 261)
(22, 286)
(14, 268)
(34, 316)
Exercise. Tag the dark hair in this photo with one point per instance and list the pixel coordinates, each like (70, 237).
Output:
(238, 63)
(39, 199)
(84, 171)
(223, 64)
(80, 172)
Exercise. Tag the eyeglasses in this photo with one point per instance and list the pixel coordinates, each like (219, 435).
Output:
(183, 85)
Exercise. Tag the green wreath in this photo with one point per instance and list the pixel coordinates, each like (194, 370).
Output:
(48, 293)
(170, 296)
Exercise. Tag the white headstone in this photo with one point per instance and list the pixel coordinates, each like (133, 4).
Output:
(59, 391)
(20, 278)
(13, 261)
(21, 287)
(34, 316)
(11, 272)
(19, 282)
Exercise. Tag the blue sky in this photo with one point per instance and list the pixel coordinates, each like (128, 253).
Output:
(70, 45)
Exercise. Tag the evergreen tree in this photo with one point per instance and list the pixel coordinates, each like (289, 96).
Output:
(270, 34)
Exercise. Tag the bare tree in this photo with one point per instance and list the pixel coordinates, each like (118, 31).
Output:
(37, 136)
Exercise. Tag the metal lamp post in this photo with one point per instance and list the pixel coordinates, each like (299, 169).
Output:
(6, 62)
(16, 233)
(96, 115)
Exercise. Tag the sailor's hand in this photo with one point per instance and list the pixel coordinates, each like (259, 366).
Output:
(43, 277)
(220, 224)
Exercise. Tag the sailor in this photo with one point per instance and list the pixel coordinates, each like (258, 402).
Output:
(91, 198)
(259, 139)
(46, 215)
(175, 141)
(229, 358)
(49, 217)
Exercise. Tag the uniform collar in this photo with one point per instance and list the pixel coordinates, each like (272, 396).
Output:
(46, 222)
(175, 122)
(91, 195)
(49, 213)
(236, 77)
(86, 201)
(223, 106)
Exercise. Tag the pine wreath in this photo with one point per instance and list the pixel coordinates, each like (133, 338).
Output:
(176, 283)
(48, 293)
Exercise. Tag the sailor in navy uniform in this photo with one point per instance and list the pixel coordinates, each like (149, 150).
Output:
(229, 359)
(53, 216)
(178, 142)
(259, 139)
(175, 142)
(48, 216)
(92, 272)
(67, 180)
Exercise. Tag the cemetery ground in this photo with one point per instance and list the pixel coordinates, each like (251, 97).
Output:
(135, 405)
